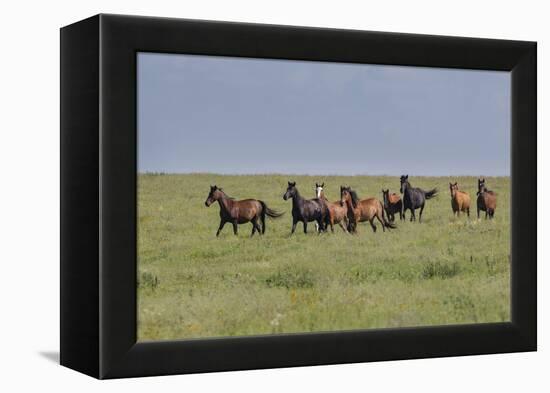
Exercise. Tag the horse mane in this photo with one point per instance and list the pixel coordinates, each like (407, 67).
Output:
(485, 190)
(354, 198)
(225, 195)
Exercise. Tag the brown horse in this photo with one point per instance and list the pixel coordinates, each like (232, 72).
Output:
(486, 200)
(363, 210)
(338, 213)
(392, 204)
(240, 212)
(460, 200)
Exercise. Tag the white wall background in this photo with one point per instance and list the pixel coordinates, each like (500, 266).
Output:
(29, 193)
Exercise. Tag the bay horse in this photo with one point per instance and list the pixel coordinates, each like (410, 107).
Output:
(460, 200)
(392, 204)
(306, 210)
(414, 198)
(240, 212)
(486, 199)
(338, 213)
(363, 210)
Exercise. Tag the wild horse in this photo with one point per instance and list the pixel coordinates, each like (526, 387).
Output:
(414, 198)
(392, 204)
(306, 210)
(363, 210)
(460, 200)
(486, 199)
(338, 213)
(240, 212)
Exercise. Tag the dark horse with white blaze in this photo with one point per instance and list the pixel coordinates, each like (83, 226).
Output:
(240, 212)
(414, 198)
(306, 210)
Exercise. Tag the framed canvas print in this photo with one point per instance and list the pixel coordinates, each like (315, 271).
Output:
(239, 196)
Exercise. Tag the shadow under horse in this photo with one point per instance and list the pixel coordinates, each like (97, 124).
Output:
(414, 198)
(306, 210)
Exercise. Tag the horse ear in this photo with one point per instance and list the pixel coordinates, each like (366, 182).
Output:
(322, 185)
(406, 177)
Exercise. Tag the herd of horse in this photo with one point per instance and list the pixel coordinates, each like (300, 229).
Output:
(349, 210)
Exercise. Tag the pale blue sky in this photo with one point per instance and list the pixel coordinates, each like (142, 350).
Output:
(241, 115)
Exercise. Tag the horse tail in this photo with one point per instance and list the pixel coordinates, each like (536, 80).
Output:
(385, 221)
(430, 194)
(266, 211)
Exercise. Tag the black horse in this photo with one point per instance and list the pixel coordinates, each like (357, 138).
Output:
(306, 210)
(414, 198)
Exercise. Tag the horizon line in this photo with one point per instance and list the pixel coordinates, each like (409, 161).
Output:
(163, 173)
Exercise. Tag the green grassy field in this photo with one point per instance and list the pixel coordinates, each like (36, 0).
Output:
(192, 284)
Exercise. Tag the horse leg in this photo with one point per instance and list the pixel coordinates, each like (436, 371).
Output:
(305, 226)
(253, 229)
(478, 213)
(486, 212)
(321, 225)
(468, 212)
(420, 214)
(222, 223)
(341, 223)
(413, 217)
(381, 222)
(255, 226)
(235, 227)
(371, 221)
(294, 222)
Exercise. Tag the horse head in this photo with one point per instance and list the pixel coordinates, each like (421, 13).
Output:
(404, 180)
(290, 191)
(319, 190)
(480, 185)
(453, 188)
(348, 195)
(214, 194)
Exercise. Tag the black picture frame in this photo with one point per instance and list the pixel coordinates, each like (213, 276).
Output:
(98, 195)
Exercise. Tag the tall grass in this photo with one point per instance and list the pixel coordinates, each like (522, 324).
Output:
(445, 270)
